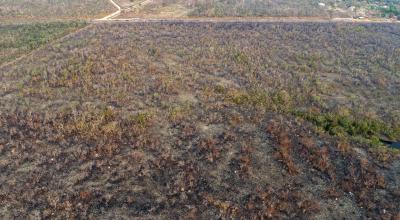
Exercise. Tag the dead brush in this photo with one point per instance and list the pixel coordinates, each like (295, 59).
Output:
(168, 85)
(188, 132)
(95, 128)
(383, 155)
(226, 208)
(370, 176)
(147, 142)
(318, 157)
(309, 206)
(191, 178)
(284, 146)
(331, 193)
(343, 146)
(245, 160)
(85, 196)
(107, 149)
(138, 156)
(284, 153)
(278, 203)
(362, 179)
(229, 136)
(272, 128)
(209, 148)
(323, 163)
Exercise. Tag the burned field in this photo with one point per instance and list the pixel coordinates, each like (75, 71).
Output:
(19, 40)
(204, 120)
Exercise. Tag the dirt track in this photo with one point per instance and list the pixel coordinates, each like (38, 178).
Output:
(113, 14)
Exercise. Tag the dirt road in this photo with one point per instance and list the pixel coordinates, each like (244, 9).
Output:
(113, 15)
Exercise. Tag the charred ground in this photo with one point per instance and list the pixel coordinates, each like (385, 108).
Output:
(206, 120)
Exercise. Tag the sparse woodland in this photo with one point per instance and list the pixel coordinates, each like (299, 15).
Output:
(204, 120)
(264, 8)
(28, 11)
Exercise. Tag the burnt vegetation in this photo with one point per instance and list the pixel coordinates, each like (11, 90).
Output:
(20, 39)
(204, 120)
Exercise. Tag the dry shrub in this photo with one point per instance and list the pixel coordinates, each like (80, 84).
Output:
(279, 203)
(245, 160)
(284, 146)
(272, 128)
(209, 147)
(362, 179)
(284, 153)
(318, 157)
(226, 208)
(85, 196)
(343, 146)
(332, 193)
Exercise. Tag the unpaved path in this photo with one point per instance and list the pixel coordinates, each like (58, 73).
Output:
(113, 15)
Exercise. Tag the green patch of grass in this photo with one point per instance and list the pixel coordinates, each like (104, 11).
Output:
(364, 130)
(179, 113)
(279, 101)
(360, 29)
(253, 98)
(142, 119)
(17, 40)
(240, 57)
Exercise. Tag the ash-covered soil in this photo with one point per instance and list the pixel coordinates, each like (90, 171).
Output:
(204, 121)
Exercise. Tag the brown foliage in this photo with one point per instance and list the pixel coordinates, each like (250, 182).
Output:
(284, 153)
(161, 144)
